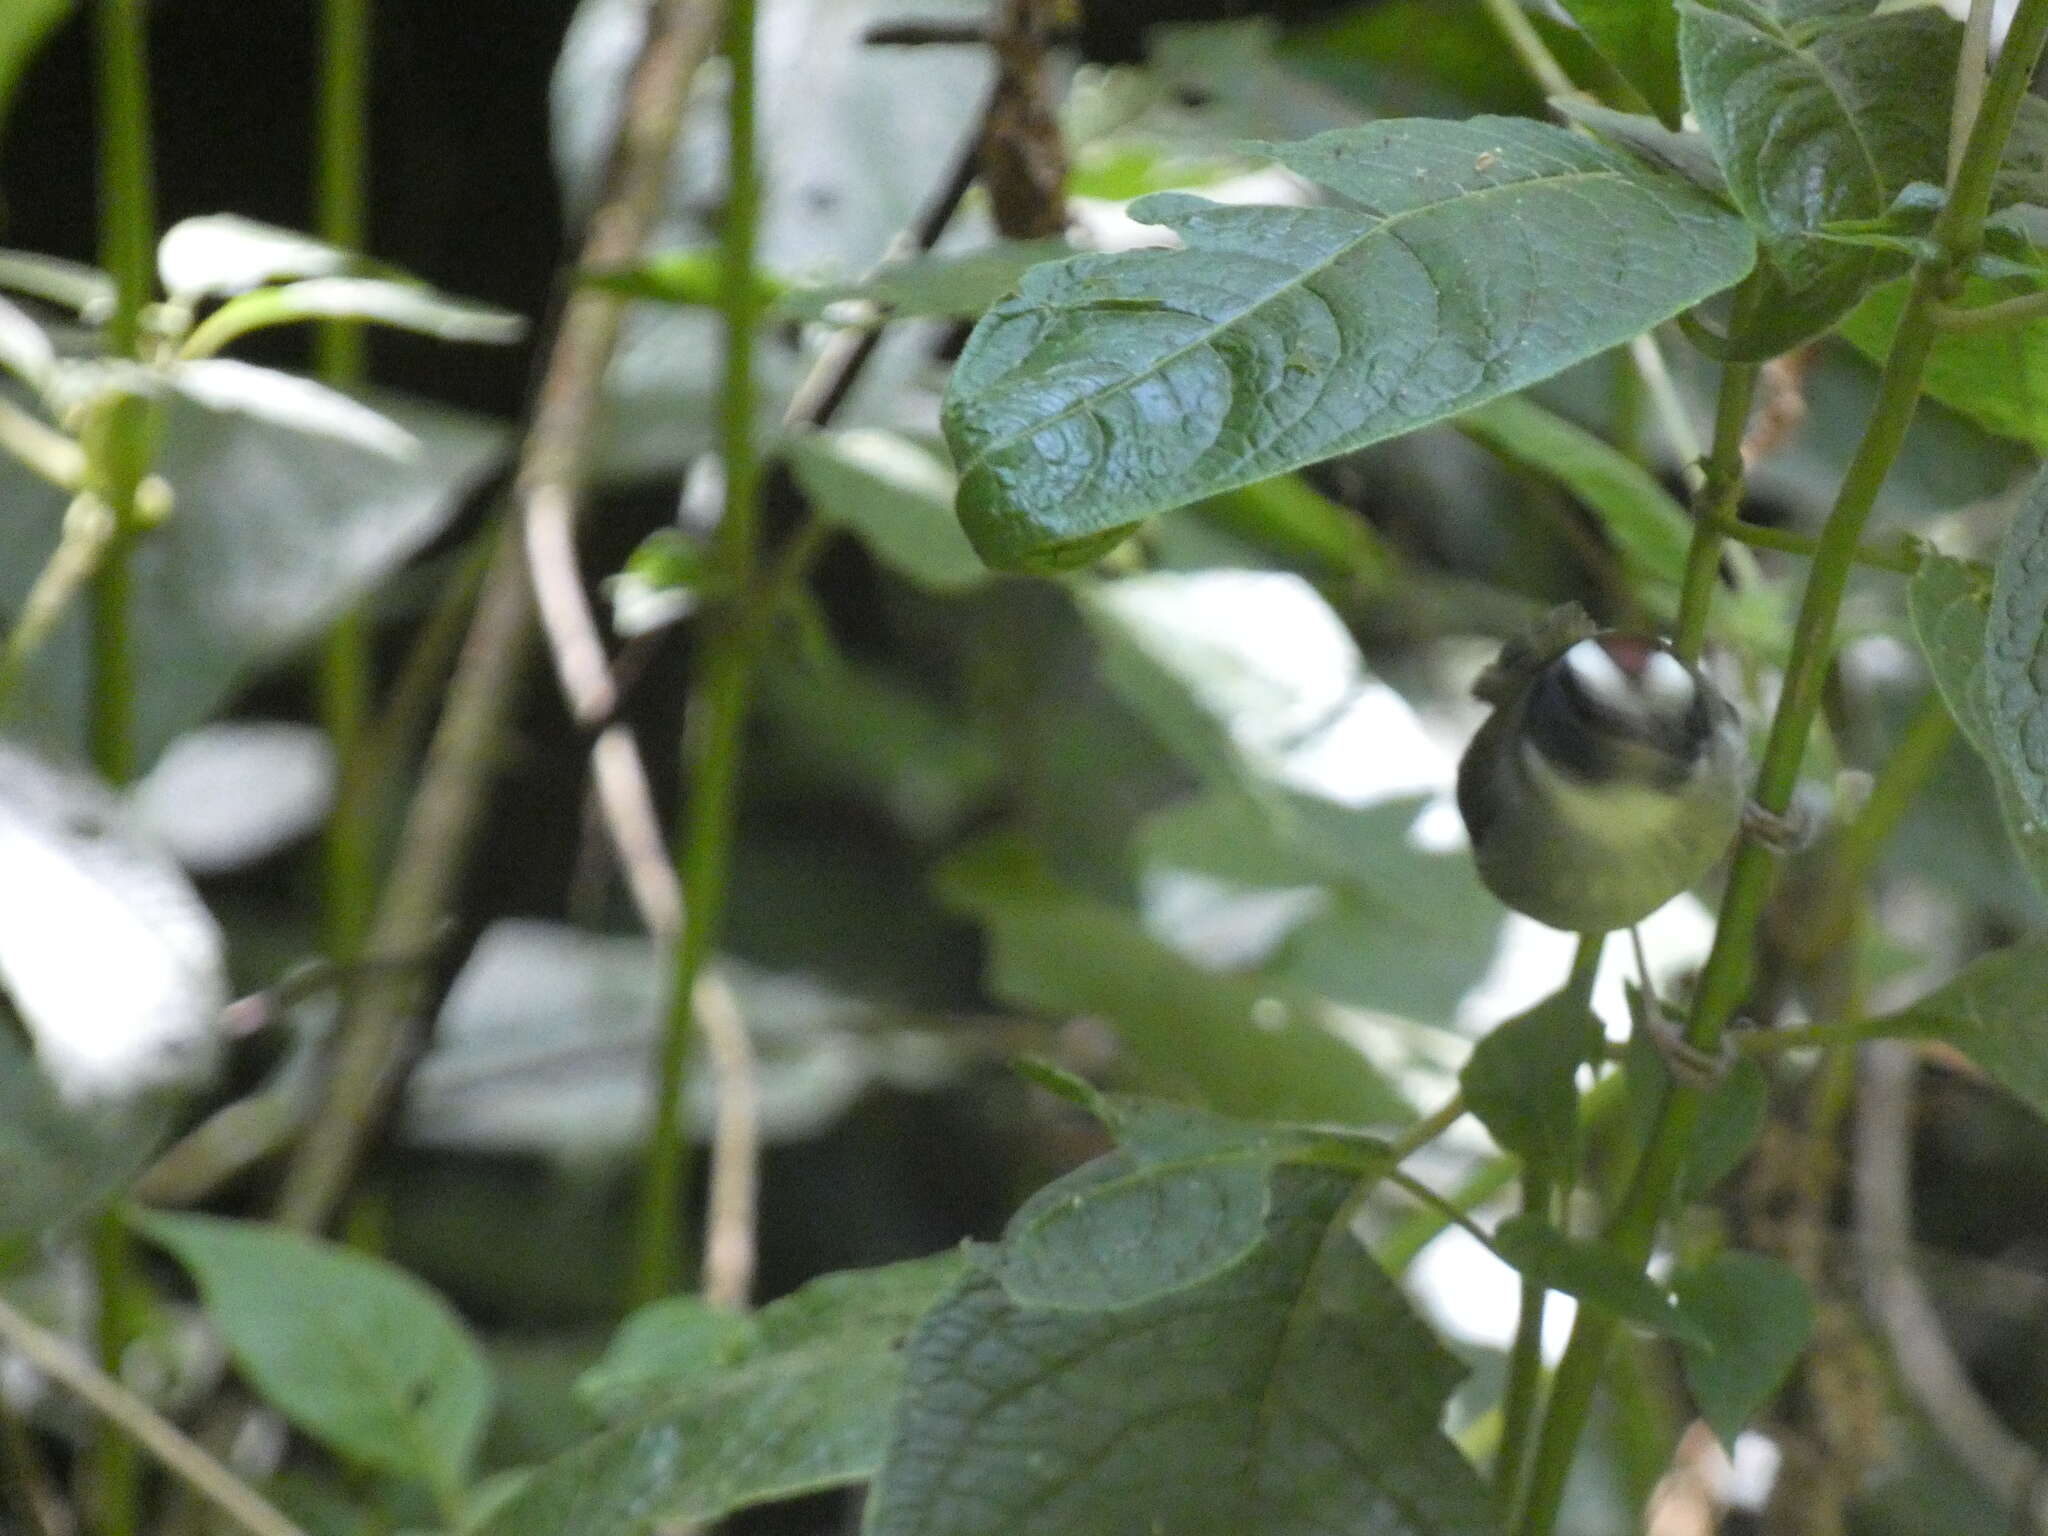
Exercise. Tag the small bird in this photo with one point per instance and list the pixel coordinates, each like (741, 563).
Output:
(1610, 776)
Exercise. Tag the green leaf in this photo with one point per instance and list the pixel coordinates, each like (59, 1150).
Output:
(293, 402)
(1185, 1197)
(1997, 376)
(897, 496)
(1652, 530)
(960, 286)
(217, 255)
(404, 306)
(24, 25)
(1754, 1316)
(59, 1160)
(1947, 602)
(1116, 386)
(806, 1409)
(1522, 1081)
(1237, 1044)
(1729, 1123)
(1592, 1272)
(1299, 523)
(2016, 653)
(1812, 127)
(1639, 38)
(70, 284)
(354, 1351)
(662, 1349)
(1292, 1394)
(660, 583)
(1990, 1010)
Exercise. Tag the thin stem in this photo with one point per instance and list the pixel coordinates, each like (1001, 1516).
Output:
(1525, 1370)
(146, 1427)
(88, 528)
(1525, 1357)
(1983, 317)
(722, 697)
(1720, 493)
(117, 444)
(1427, 1129)
(1534, 54)
(1971, 68)
(346, 684)
(1905, 773)
(1904, 557)
(1726, 976)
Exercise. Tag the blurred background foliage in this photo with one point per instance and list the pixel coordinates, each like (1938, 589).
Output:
(1185, 832)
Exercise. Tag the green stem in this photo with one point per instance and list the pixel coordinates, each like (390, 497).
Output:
(1904, 557)
(1726, 977)
(1721, 494)
(1525, 1357)
(724, 685)
(117, 443)
(1530, 49)
(1427, 1129)
(2026, 308)
(346, 682)
(1525, 1370)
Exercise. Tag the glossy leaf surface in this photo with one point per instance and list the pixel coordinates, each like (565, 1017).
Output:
(1112, 387)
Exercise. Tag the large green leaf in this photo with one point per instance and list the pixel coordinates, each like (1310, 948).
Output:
(1812, 125)
(1948, 604)
(1116, 386)
(1240, 1045)
(805, 1408)
(1639, 38)
(356, 1352)
(1995, 375)
(1991, 1012)
(1292, 1394)
(2016, 653)
(1755, 1316)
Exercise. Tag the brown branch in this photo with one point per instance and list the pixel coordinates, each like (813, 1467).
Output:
(1023, 157)
(379, 1028)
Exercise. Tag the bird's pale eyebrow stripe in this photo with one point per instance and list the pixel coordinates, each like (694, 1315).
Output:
(1601, 677)
(1667, 682)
